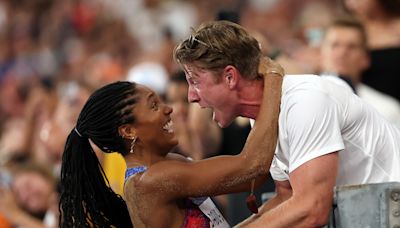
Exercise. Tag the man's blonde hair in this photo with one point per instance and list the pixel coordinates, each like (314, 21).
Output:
(216, 44)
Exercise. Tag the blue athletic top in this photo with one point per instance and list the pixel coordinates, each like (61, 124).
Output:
(131, 171)
(194, 217)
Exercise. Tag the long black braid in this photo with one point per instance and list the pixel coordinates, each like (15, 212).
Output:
(87, 199)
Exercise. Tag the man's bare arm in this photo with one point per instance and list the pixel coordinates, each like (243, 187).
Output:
(311, 202)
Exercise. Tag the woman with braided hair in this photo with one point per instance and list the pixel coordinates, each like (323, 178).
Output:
(161, 189)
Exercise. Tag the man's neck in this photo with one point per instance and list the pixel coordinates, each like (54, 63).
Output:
(250, 97)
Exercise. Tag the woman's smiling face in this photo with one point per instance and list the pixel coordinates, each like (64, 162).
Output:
(153, 124)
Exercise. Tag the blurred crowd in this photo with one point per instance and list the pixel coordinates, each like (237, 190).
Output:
(54, 53)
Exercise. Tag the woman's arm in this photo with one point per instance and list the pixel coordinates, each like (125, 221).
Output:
(221, 174)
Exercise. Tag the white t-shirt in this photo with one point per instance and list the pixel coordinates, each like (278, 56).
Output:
(388, 106)
(318, 117)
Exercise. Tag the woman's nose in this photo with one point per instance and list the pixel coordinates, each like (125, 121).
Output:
(168, 109)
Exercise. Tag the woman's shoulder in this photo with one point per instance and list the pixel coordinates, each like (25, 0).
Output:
(158, 173)
(134, 182)
(178, 157)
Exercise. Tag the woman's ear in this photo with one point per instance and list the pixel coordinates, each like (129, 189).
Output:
(127, 131)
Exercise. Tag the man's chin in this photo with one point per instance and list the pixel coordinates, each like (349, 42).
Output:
(221, 123)
(225, 124)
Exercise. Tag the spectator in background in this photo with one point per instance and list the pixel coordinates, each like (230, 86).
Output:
(52, 133)
(309, 26)
(344, 53)
(381, 19)
(20, 132)
(31, 198)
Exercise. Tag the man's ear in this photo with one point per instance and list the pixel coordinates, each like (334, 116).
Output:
(231, 76)
(127, 131)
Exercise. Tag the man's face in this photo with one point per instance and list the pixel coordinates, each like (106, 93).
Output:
(208, 93)
(343, 53)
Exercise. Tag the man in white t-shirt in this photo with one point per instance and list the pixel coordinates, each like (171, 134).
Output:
(318, 117)
(327, 135)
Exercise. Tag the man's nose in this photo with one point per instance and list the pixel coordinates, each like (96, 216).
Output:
(193, 97)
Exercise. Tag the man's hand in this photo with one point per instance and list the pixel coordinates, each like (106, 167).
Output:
(268, 67)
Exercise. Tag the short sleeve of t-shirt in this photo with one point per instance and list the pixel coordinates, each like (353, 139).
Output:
(312, 127)
(278, 170)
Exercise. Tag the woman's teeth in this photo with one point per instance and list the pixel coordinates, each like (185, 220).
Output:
(169, 127)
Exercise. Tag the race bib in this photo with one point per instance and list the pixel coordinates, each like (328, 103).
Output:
(207, 206)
